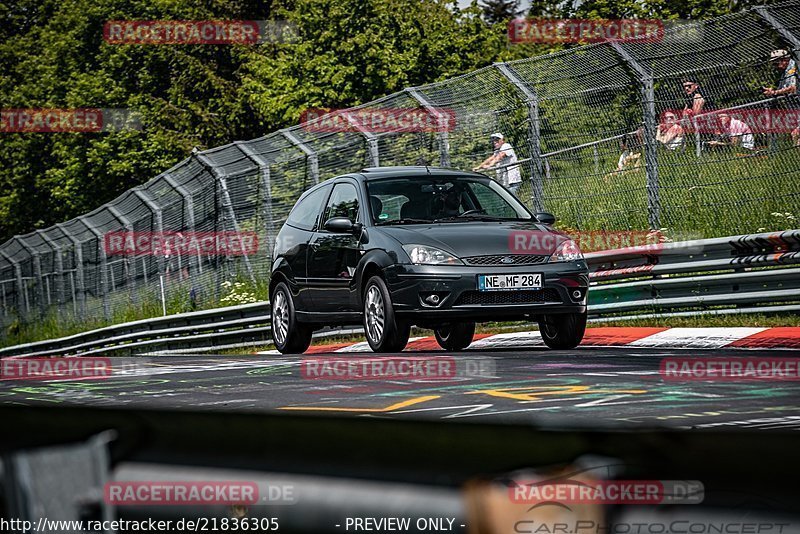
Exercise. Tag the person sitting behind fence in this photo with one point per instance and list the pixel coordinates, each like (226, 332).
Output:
(733, 132)
(670, 132)
(631, 147)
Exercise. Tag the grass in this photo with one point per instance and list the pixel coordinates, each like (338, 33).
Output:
(54, 324)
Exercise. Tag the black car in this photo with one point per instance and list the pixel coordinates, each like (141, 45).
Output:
(393, 247)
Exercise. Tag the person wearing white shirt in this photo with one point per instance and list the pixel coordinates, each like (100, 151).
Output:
(503, 157)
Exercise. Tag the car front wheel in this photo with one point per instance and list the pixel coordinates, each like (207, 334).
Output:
(563, 331)
(455, 336)
(288, 335)
(385, 333)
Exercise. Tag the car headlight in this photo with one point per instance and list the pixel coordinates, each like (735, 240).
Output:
(567, 251)
(425, 255)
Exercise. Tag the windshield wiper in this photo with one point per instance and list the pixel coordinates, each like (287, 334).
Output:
(475, 217)
(406, 220)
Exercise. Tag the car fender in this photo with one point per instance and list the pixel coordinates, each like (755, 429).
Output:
(375, 257)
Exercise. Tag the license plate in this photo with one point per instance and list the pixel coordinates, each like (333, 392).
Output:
(505, 282)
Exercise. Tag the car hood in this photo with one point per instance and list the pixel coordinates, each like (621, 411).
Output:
(480, 238)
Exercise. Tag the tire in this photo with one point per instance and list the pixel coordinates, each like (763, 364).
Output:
(563, 331)
(385, 333)
(455, 336)
(288, 335)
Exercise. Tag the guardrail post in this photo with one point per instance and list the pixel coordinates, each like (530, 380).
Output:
(266, 183)
(444, 139)
(313, 159)
(21, 296)
(534, 134)
(645, 79)
(58, 262)
(130, 278)
(37, 273)
(101, 252)
(188, 211)
(79, 297)
(227, 205)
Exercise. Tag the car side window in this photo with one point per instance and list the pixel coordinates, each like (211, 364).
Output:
(492, 203)
(343, 203)
(304, 214)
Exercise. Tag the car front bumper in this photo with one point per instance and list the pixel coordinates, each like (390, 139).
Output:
(564, 289)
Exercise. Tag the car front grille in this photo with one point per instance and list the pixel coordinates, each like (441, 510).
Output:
(547, 294)
(506, 259)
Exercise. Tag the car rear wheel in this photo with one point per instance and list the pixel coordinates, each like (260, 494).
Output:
(385, 333)
(455, 336)
(563, 331)
(288, 335)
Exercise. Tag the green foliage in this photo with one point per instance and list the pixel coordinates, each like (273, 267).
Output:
(52, 55)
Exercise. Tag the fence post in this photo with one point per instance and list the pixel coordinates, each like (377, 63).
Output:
(534, 135)
(130, 278)
(266, 183)
(778, 26)
(188, 211)
(444, 139)
(645, 80)
(313, 159)
(58, 262)
(37, 273)
(80, 289)
(20, 289)
(371, 138)
(227, 205)
(101, 252)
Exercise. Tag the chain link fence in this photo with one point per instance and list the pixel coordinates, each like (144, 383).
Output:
(583, 121)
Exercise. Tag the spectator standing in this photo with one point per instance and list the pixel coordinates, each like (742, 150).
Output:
(504, 157)
(697, 100)
(787, 83)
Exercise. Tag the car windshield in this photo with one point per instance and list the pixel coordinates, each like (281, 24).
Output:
(442, 199)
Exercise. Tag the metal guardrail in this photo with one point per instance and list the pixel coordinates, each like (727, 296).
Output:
(715, 275)
(730, 275)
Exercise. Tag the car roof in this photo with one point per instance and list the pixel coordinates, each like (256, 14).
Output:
(419, 171)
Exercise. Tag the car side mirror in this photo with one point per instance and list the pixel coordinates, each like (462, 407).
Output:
(546, 218)
(342, 225)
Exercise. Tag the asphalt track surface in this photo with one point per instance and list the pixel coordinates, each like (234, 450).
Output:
(593, 386)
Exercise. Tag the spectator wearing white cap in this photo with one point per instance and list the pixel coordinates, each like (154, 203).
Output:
(787, 83)
(504, 158)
